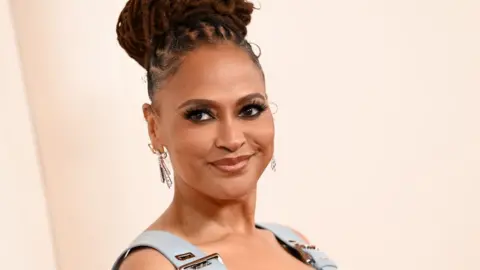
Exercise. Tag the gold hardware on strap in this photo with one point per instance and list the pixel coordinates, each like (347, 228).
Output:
(200, 263)
(185, 256)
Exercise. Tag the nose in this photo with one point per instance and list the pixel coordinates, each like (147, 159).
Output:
(230, 136)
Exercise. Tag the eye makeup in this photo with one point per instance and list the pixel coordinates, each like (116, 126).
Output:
(200, 111)
(253, 109)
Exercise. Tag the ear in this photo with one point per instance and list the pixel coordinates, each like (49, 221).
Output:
(153, 125)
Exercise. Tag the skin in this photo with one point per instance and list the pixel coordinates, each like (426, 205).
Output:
(214, 209)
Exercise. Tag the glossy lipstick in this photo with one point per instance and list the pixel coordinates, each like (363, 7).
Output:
(232, 165)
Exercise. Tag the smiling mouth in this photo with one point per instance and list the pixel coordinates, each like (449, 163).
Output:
(232, 165)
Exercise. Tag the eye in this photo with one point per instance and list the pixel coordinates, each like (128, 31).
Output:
(252, 110)
(198, 115)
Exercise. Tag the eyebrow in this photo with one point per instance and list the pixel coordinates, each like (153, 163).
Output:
(206, 102)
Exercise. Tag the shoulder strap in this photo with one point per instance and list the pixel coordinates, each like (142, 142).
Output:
(291, 239)
(179, 252)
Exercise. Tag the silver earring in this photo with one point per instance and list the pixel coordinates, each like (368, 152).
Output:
(164, 171)
(273, 164)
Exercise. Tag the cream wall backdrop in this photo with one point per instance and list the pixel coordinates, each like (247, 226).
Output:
(25, 235)
(378, 135)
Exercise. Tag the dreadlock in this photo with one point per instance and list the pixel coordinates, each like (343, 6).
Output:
(157, 33)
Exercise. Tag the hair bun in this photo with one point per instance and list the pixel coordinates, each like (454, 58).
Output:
(142, 20)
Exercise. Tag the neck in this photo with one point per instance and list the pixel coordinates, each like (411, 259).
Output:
(203, 218)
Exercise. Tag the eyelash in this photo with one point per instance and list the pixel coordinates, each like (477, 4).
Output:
(195, 111)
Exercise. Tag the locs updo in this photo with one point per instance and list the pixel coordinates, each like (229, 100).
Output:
(157, 33)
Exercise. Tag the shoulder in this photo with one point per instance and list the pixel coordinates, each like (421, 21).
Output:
(284, 231)
(146, 259)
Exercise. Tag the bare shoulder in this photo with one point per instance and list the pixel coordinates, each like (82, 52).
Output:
(146, 259)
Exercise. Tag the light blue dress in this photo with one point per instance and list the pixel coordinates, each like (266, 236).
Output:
(185, 256)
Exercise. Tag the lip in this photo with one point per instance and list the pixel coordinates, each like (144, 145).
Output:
(232, 165)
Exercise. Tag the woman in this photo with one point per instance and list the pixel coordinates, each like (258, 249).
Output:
(210, 110)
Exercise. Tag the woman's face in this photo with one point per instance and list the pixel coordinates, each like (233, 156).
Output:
(212, 116)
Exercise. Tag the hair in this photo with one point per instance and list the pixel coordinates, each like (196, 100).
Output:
(158, 33)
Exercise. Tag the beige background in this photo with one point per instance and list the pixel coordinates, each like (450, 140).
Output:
(25, 238)
(378, 134)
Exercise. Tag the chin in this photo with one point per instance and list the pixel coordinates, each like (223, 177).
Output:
(233, 188)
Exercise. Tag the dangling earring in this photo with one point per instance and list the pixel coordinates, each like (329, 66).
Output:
(164, 171)
(273, 164)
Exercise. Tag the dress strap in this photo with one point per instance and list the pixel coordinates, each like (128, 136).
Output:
(307, 253)
(182, 254)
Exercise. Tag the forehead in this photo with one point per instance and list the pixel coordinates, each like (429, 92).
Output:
(217, 72)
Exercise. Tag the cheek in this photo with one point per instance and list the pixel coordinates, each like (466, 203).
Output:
(189, 143)
(262, 133)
